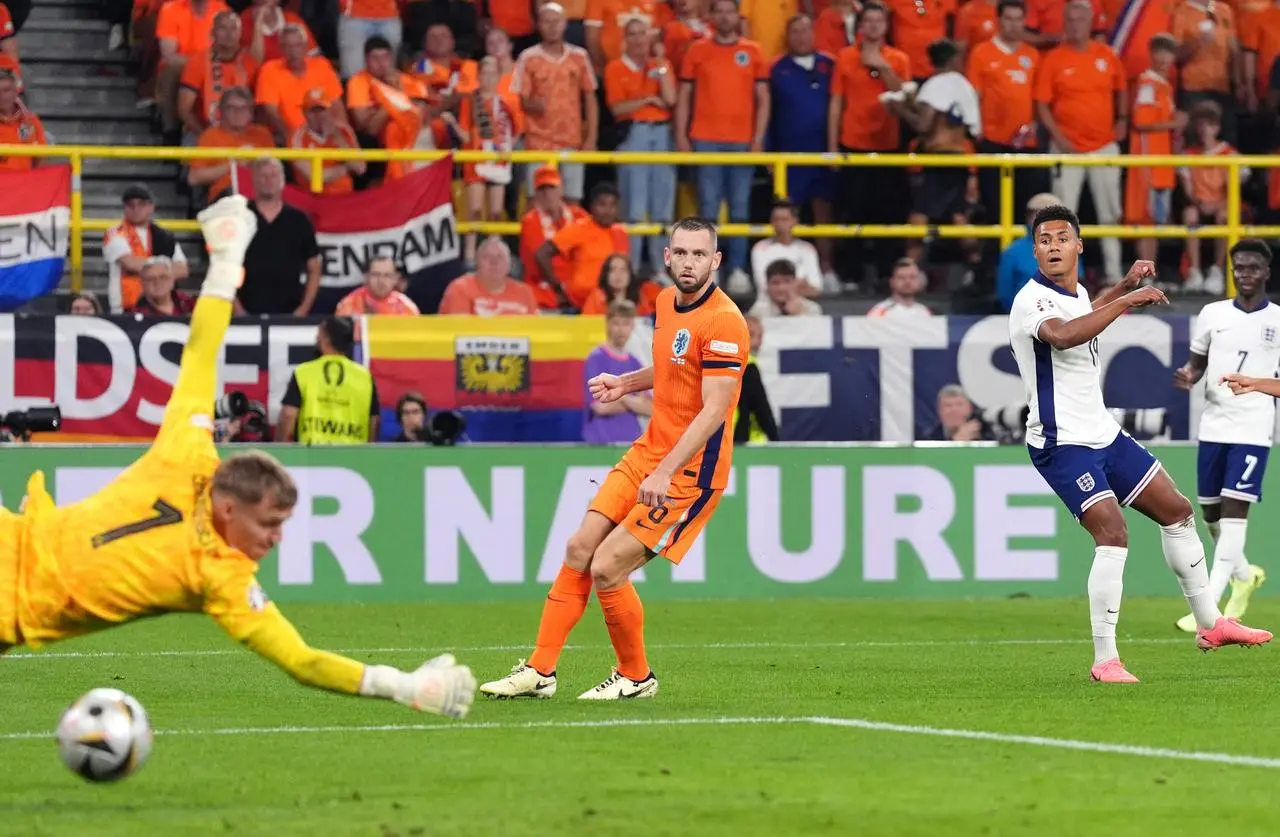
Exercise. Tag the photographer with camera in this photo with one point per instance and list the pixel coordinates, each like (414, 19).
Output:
(958, 421)
(18, 425)
(237, 419)
(444, 428)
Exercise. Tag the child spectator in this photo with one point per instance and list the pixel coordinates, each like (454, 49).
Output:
(1205, 190)
(617, 422)
(619, 281)
(784, 245)
(1149, 190)
(487, 121)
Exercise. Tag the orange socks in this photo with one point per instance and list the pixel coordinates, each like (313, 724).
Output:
(565, 605)
(624, 616)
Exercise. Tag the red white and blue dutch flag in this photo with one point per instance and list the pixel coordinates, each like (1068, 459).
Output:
(35, 228)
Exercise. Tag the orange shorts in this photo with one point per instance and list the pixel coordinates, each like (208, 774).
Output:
(667, 530)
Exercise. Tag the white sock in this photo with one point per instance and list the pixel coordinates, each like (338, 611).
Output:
(1184, 554)
(1214, 528)
(1106, 582)
(1228, 556)
(1234, 531)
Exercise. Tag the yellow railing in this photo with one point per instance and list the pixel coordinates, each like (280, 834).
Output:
(1011, 224)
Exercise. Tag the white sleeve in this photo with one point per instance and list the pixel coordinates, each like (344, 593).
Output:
(758, 264)
(810, 269)
(1036, 311)
(935, 94)
(1200, 332)
(115, 249)
(178, 255)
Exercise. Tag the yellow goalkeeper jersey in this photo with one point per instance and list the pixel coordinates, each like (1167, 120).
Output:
(145, 544)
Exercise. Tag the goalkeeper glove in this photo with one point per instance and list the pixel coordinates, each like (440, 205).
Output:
(228, 227)
(439, 686)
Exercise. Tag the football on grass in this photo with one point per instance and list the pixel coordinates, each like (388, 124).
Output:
(104, 736)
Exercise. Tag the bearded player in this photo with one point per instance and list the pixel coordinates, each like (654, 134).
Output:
(179, 531)
(661, 494)
(1086, 458)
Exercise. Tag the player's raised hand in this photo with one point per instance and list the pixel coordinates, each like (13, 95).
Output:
(228, 227)
(653, 491)
(606, 388)
(1144, 296)
(1240, 384)
(1140, 272)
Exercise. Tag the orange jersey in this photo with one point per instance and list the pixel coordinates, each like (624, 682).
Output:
(461, 76)
(1210, 68)
(767, 24)
(537, 228)
(865, 124)
(342, 137)
(724, 78)
(677, 35)
(515, 17)
(976, 23)
(585, 246)
(7, 29)
(147, 544)
(371, 9)
(598, 304)
(1080, 88)
(208, 79)
(22, 127)
(255, 136)
(832, 31)
(626, 82)
(560, 82)
(1046, 17)
(705, 339)
(611, 17)
(1003, 79)
(1261, 36)
(271, 38)
(1153, 104)
(281, 88)
(192, 32)
(916, 24)
(1208, 186)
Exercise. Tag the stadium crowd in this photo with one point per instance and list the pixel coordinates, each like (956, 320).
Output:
(933, 76)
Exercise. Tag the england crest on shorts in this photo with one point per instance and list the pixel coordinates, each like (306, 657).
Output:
(1085, 481)
(680, 345)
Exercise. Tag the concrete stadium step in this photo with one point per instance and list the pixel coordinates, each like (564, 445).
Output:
(81, 132)
(103, 114)
(46, 10)
(63, 63)
(63, 82)
(148, 171)
(83, 101)
(63, 38)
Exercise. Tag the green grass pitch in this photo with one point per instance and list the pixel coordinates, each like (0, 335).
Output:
(749, 734)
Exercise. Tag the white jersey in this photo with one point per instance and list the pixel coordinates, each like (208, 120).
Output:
(1241, 341)
(1064, 387)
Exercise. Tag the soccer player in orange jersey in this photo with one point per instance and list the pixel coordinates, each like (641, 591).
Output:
(181, 531)
(665, 489)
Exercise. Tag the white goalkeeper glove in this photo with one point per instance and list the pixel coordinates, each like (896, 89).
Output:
(439, 686)
(228, 227)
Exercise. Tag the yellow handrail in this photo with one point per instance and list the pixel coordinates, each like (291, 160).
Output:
(1009, 227)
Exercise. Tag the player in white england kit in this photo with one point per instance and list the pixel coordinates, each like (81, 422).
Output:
(1241, 337)
(1080, 450)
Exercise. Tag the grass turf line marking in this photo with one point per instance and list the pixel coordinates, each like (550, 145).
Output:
(712, 646)
(847, 723)
(1056, 743)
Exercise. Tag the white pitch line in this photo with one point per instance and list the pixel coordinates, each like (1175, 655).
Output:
(848, 723)
(711, 646)
(1056, 743)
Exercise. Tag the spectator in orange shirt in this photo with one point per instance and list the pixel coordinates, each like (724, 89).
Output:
(18, 126)
(641, 90)
(1082, 101)
(859, 122)
(235, 129)
(1210, 61)
(765, 22)
(606, 22)
(184, 29)
(547, 217)
(378, 295)
(918, 23)
(619, 281)
(261, 26)
(724, 106)
(447, 77)
(1046, 21)
(283, 83)
(557, 88)
(1149, 190)
(207, 75)
(8, 34)
(360, 21)
(687, 27)
(836, 26)
(323, 130)
(977, 22)
(1002, 71)
(490, 291)
(513, 17)
(585, 244)
(488, 121)
(1260, 40)
(1205, 190)
(391, 106)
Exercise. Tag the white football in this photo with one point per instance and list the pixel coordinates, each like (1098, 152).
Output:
(104, 736)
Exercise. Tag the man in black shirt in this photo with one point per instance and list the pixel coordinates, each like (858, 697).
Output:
(284, 249)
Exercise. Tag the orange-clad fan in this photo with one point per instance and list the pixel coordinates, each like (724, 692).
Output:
(392, 106)
(1148, 198)
(207, 75)
(235, 130)
(284, 83)
(323, 130)
(548, 215)
(18, 126)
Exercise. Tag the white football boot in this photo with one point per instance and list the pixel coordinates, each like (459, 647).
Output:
(523, 681)
(618, 687)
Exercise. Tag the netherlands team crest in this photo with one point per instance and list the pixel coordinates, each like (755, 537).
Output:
(680, 345)
(1085, 482)
(740, 58)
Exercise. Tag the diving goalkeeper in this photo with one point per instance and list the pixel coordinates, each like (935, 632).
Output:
(180, 531)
